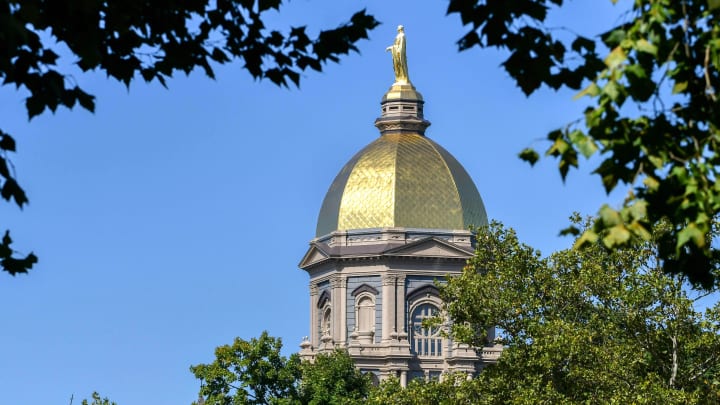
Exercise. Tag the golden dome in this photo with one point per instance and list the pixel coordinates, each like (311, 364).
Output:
(402, 179)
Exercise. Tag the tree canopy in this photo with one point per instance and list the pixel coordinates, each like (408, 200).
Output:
(651, 81)
(136, 39)
(653, 118)
(97, 400)
(254, 372)
(585, 325)
(582, 325)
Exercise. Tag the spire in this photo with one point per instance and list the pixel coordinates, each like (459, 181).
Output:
(402, 105)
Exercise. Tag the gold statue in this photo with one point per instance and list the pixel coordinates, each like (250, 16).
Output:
(399, 57)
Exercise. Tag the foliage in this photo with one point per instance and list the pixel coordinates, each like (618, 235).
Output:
(130, 39)
(585, 325)
(249, 372)
(97, 400)
(254, 372)
(652, 120)
(654, 117)
(332, 379)
(453, 389)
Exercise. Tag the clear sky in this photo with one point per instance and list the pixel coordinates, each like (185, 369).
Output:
(171, 221)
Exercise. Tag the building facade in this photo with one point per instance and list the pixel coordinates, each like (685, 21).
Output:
(393, 223)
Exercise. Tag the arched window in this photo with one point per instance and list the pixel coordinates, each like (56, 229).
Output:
(326, 326)
(424, 341)
(365, 313)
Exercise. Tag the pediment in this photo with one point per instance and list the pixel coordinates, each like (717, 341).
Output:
(314, 255)
(431, 247)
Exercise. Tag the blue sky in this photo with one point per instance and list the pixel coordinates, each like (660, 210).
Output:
(171, 221)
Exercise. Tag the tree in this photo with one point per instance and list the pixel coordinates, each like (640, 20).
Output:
(333, 379)
(152, 40)
(654, 117)
(249, 372)
(652, 120)
(453, 389)
(97, 400)
(585, 325)
(254, 372)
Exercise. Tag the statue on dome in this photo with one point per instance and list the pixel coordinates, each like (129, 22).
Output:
(399, 57)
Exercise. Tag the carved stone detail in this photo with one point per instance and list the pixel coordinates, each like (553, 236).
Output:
(389, 279)
(410, 124)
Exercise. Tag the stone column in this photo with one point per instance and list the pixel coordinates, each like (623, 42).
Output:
(403, 378)
(400, 320)
(335, 302)
(314, 338)
(341, 306)
(388, 308)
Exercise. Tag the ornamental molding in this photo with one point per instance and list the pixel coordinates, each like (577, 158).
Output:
(410, 124)
(364, 288)
(338, 282)
(389, 280)
(425, 291)
(323, 299)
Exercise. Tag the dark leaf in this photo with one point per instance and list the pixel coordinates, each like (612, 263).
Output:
(7, 142)
(529, 155)
(11, 189)
(87, 101)
(34, 105)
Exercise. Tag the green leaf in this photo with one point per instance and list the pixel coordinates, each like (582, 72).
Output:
(639, 209)
(638, 229)
(615, 58)
(609, 216)
(679, 87)
(558, 147)
(584, 143)
(643, 45)
(529, 155)
(592, 91)
(615, 37)
(616, 236)
(713, 4)
(656, 161)
(612, 90)
(570, 230)
(588, 237)
(690, 233)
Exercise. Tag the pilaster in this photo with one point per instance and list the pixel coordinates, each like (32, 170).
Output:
(336, 300)
(314, 338)
(341, 306)
(400, 321)
(388, 308)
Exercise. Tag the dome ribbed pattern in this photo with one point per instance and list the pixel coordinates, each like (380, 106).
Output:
(401, 180)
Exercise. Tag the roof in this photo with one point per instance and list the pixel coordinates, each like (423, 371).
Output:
(401, 180)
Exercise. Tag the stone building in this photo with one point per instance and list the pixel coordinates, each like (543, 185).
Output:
(394, 220)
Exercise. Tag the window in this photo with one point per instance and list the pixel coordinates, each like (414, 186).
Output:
(326, 326)
(365, 313)
(424, 341)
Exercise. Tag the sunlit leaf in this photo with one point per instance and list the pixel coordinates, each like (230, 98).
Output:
(615, 58)
(679, 87)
